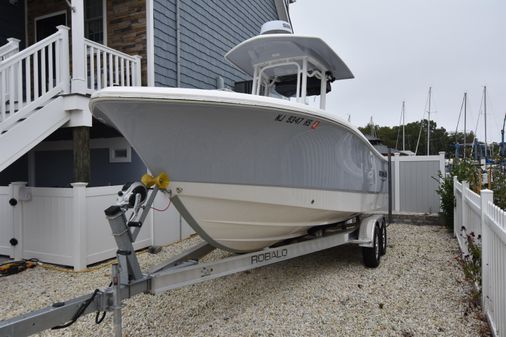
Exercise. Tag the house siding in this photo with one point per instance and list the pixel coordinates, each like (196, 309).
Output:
(208, 30)
(12, 23)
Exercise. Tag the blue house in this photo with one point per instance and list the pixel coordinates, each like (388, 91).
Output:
(54, 54)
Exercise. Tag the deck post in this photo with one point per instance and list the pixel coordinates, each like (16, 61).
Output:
(81, 148)
(78, 50)
(64, 58)
(138, 72)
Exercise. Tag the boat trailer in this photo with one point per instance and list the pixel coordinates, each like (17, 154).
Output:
(128, 279)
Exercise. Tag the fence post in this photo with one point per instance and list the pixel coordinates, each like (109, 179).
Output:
(455, 224)
(397, 182)
(79, 235)
(465, 189)
(442, 163)
(486, 197)
(16, 240)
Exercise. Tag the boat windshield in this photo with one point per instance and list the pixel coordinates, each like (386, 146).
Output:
(297, 77)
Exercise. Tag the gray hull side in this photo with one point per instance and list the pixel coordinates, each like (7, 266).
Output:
(246, 145)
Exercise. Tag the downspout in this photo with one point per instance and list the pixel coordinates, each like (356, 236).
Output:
(178, 46)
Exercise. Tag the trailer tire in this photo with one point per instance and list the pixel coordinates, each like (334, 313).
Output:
(383, 240)
(372, 254)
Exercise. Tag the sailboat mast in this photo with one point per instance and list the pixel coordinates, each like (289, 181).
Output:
(465, 115)
(485, 116)
(403, 129)
(428, 123)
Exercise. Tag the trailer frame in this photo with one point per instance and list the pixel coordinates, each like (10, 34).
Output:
(184, 269)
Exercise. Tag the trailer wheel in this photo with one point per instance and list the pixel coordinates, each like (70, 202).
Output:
(372, 254)
(383, 240)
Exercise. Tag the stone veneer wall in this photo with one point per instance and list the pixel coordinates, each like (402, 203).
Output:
(126, 24)
(126, 29)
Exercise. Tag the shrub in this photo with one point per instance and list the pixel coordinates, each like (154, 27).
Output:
(463, 169)
(498, 185)
(471, 264)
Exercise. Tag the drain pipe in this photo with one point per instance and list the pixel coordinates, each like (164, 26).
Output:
(178, 46)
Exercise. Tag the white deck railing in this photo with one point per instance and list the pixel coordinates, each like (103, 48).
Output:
(477, 214)
(9, 49)
(106, 67)
(29, 78)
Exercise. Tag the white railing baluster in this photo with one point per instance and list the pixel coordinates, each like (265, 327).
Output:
(50, 66)
(127, 68)
(19, 80)
(116, 70)
(12, 96)
(92, 68)
(122, 71)
(111, 70)
(35, 75)
(99, 71)
(104, 58)
(28, 84)
(43, 78)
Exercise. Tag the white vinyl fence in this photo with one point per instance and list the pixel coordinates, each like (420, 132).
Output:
(415, 181)
(478, 216)
(68, 226)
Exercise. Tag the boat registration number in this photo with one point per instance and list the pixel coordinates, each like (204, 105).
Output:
(290, 119)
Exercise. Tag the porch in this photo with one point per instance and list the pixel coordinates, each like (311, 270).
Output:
(47, 85)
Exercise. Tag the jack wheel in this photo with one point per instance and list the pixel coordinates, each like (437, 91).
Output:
(372, 254)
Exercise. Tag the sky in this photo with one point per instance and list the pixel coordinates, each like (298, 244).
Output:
(397, 49)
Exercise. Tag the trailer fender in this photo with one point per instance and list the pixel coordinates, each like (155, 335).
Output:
(366, 232)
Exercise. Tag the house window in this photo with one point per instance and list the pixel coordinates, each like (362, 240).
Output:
(120, 153)
(94, 20)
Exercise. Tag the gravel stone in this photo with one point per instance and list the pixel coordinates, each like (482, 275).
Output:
(418, 290)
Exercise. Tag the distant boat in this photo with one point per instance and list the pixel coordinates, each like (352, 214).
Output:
(249, 171)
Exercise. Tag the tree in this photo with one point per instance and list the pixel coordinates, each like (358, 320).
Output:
(416, 133)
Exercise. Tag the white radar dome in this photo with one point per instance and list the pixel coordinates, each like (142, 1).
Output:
(276, 27)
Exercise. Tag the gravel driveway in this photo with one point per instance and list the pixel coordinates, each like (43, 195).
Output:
(418, 290)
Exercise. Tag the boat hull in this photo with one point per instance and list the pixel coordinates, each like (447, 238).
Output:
(245, 218)
(299, 167)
